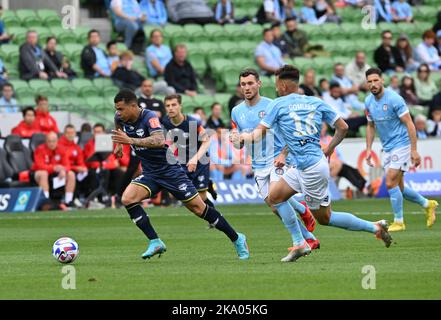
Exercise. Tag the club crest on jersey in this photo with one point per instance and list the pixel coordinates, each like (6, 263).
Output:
(57, 157)
(394, 158)
(280, 171)
(261, 114)
(384, 107)
(201, 178)
(140, 132)
(182, 187)
(308, 199)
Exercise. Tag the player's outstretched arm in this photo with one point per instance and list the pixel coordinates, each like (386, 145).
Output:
(118, 151)
(258, 133)
(156, 140)
(341, 128)
(370, 136)
(415, 157)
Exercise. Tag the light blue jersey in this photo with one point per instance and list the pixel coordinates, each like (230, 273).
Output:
(246, 119)
(386, 114)
(299, 120)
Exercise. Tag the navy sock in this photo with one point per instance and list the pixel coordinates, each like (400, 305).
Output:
(140, 218)
(208, 202)
(213, 217)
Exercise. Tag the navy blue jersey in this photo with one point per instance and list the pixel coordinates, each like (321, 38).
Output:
(186, 137)
(147, 123)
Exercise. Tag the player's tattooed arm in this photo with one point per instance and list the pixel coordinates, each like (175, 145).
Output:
(341, 128)
(156, 140)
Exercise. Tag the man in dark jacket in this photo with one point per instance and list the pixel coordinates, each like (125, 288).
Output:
(124, 76)
(56, 57)
(33, 60)
(93, 59)
(387, 57)
(180, 74)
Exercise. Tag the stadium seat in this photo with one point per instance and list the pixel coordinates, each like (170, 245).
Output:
(188, 103)
(204, 101)
(195, 32)
(63, 35)
(230, 49)
(193, 47)
(62, 87)
(215, 32)
(198, 63)
(42, 87)
(26, 101)
(110, 91)
(234, 31)
(222, 98)
(323, 64)
(19, 34)
(102, 83)
(81, 34)
(43, 34)
(19, 157)
(253, 32)
(35, 141)
(6, 171)
(49, 17)
(73, 51)
(302, 63)
(85, 87)
(10, 19)
(28, 18)
(96, 103)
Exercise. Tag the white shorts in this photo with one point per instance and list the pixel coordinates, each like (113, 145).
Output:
(398, 159)
(265, 176)
(313, 182)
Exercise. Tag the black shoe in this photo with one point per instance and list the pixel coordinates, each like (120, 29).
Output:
(211, 189)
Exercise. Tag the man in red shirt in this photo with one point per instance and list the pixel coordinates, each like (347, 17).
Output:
(50, 162)
(28, 126)
(44, 120)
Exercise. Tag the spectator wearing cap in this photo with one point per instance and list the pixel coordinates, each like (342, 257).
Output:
(402, 11)
(406, 53)
(179, 73)
(94, 61)
(157, 54)
(424, 85)
(349, 89)
(296, 40)
(7, 103)
(128, 18)
(44, 120)
(356, 69)
(155, 12)
(28, 126)
(421, 126)
(387, 57)
(268, 56)
(434, 124)
(427, 53)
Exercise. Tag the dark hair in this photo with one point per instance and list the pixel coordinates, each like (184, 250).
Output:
(69, 126)
(334, 84)
(25, 110)
(322, 80)
(50, 38)
(127, 96)
(153, 31)
(288, 72)
(266, 30)
(275, 25)
(249, 72)
(110, 43)
(173, 96)
(215, 104)
(197, 109)
(290, 19)
(99, 125)
(374, 71)
(384, 32)
(92, 31)
(86, 127)
(7, 84)
(40, 98)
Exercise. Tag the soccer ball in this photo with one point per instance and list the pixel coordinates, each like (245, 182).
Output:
(65, 250)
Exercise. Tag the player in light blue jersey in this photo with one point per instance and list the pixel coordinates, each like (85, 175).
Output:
(299, 119)
(388, 115)
(245, 117)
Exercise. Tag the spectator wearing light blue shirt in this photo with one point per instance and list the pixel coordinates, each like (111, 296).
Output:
(349, 89)
(402, 11)
(383, 11)
(268, 56)
(157, 55)
(308, 14)
(7, 103)
(427, 53)
(94, 61)
(128, 18)
(155, 12)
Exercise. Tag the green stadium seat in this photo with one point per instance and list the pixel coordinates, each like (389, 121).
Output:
(204, 101)
(43, 34)
(80, 33)
(215, 32)
(175, 34)
(230, 49)
(188, 102)
(197, 60)
(242, 63)
(234, 31)
(222, 98)
(193, 47)
(63, 35)
(19, 34)
(27, 101)
(195, 32)
(10, 19)
(331, 30)
(268, 91)
(96, 103)
(425, 13)
(110, 91)
(57, 103)
(41, 87)
(302, 63)
(253, 32)
(12, 68)
(230, 80)
(61, 86)
(248, 48)
(7, 51)
(311, 30)
(21, 88)
(323, 64)
(85, 87)
(28, 18)
(102, 83)
(73, 51)
(49, 17)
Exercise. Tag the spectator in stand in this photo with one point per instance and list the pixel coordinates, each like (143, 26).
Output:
(3, 73)
(236, 98)
(155, 12)
(214, 120)
(180, 74)
(394, 84)
(157, 54)
(268, 56)
(326, 8)
(408, 91)
(387, 57)
(33, 61)
(427, 53)
(356, 69)
(348, 88)
(28, 126)
(124, 76)
(344, 110)
(271, 11)
(56, 57)
(421, 126)
(199, 113)
(324, 86)
(7, 103)
(50, 162)
(224, 13)
(290, 11)
(437, 26)
(436, 100)
(112, 55)
(424, 85)
(190, 11)
(111, 166)
(383, 11)
(44, 120)
(66, 68)
(438, 42)
(308, 86)
(308, 14)
(4, 36)
(406, 52)
(296, 39)
(279, 42)
(128, 18)
(402, 11)
(434, 123)
(146, 100)
(93, 59)
(356, 3)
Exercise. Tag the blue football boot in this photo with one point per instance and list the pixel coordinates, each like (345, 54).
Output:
(242, 247)
(156, 246)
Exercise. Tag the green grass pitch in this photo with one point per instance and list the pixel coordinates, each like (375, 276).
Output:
(202, 264)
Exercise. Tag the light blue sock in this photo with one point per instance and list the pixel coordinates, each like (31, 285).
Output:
(396, 199)
(300, 208)
(350, 222)
(237, 176)
(412, 195)
(305, 233)
(289, 219)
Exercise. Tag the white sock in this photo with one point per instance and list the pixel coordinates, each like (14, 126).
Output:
(46, 194)
(399, 220)
(68, 197)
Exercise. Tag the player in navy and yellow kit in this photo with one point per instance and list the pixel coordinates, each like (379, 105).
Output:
(141, 129)
(191, 142)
